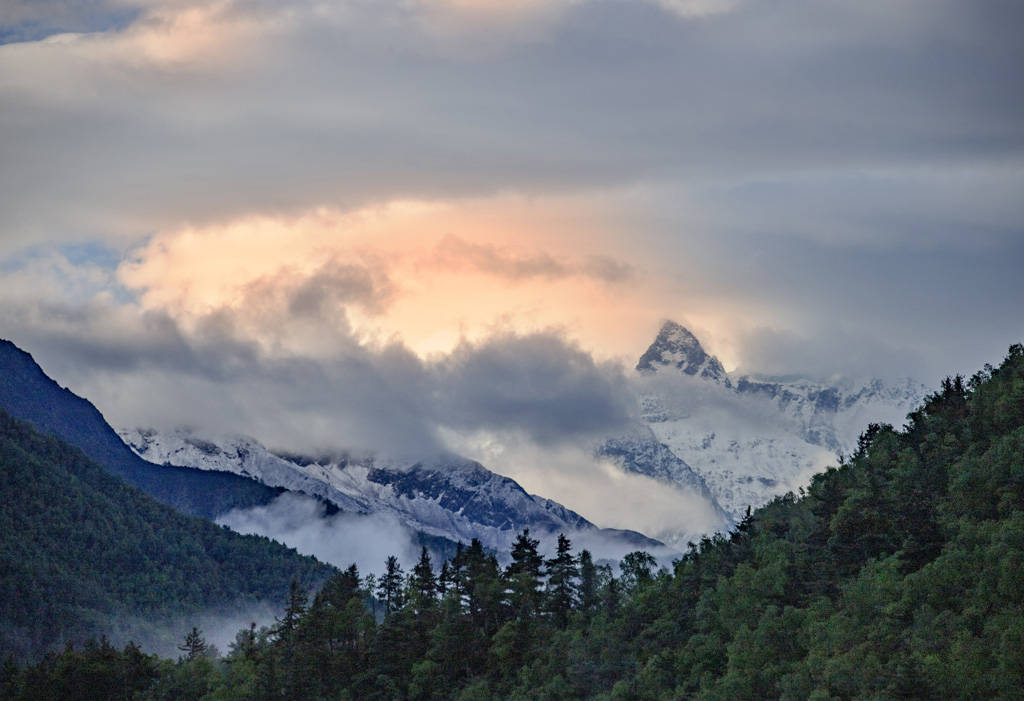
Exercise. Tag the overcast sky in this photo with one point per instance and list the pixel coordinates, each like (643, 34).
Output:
(372, 222)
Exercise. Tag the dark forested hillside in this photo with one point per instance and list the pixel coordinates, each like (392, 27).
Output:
(29, 395)
(83, 554)
(898, 573)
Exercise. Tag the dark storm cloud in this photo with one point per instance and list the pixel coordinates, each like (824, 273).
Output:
(145, 369)
(332, 287)
(538, 384)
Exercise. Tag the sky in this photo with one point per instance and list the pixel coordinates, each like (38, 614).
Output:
(430, 224)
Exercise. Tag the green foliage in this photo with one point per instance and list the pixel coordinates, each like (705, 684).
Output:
(83, 554)
(899, 574)
(29, 395)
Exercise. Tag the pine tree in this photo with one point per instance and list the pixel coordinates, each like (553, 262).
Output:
(443, 579)
(341, 587)
(423, 584)
(523, 576)
(456, 572)
(390, 586)
(194, 646)
(612, 593)
(562, 576)
(296, 606)
(483, 588)
(288, 639)
(588, 584)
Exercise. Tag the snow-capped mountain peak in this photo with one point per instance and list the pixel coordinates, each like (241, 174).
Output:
(759, 437)
(446, 496)
(676, 348)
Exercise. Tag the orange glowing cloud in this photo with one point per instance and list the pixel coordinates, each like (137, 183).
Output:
(430, 273)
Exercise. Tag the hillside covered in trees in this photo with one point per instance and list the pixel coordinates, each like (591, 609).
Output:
(82, 553)
(897, 573)
(28, 394)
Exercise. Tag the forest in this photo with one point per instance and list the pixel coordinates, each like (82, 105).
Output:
(82, 554)
(897, 573)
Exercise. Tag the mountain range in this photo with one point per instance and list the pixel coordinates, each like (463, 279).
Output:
(446, 496)
(732, 441)
(750, 438)
(441, 500)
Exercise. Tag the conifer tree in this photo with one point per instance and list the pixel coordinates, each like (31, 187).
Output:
(562, 576)
(423, 583)
(612, 593)
(194, 646)
(244, 644)
(588, 590)
(288, 640)
(481, 584)
(523, 576)
(443, 579)
(296, 606)
(456, 572)
(390, 586)
(341, 587)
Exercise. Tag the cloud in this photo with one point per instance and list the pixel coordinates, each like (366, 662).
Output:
(330, 222)
(213, 112)
(540, 384)
(716, 155)
(698, 8)
(457, 253)
(31, 20)
(606, 495)
(224, 371)
(341, 539)
(337, 284)
(431, 273)
(773, 351)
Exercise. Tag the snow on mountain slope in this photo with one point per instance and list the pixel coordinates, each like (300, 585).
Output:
(754, 438)
(240, 455)
(833, 416)
(446, 496)
(729, 442)
(641, 452)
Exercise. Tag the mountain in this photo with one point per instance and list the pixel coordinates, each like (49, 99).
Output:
(897, 574)
(27, 393)
(751, 438)
(444, 496)
(442, 499)
(641, 452)
(677, 349)
(82, 553)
